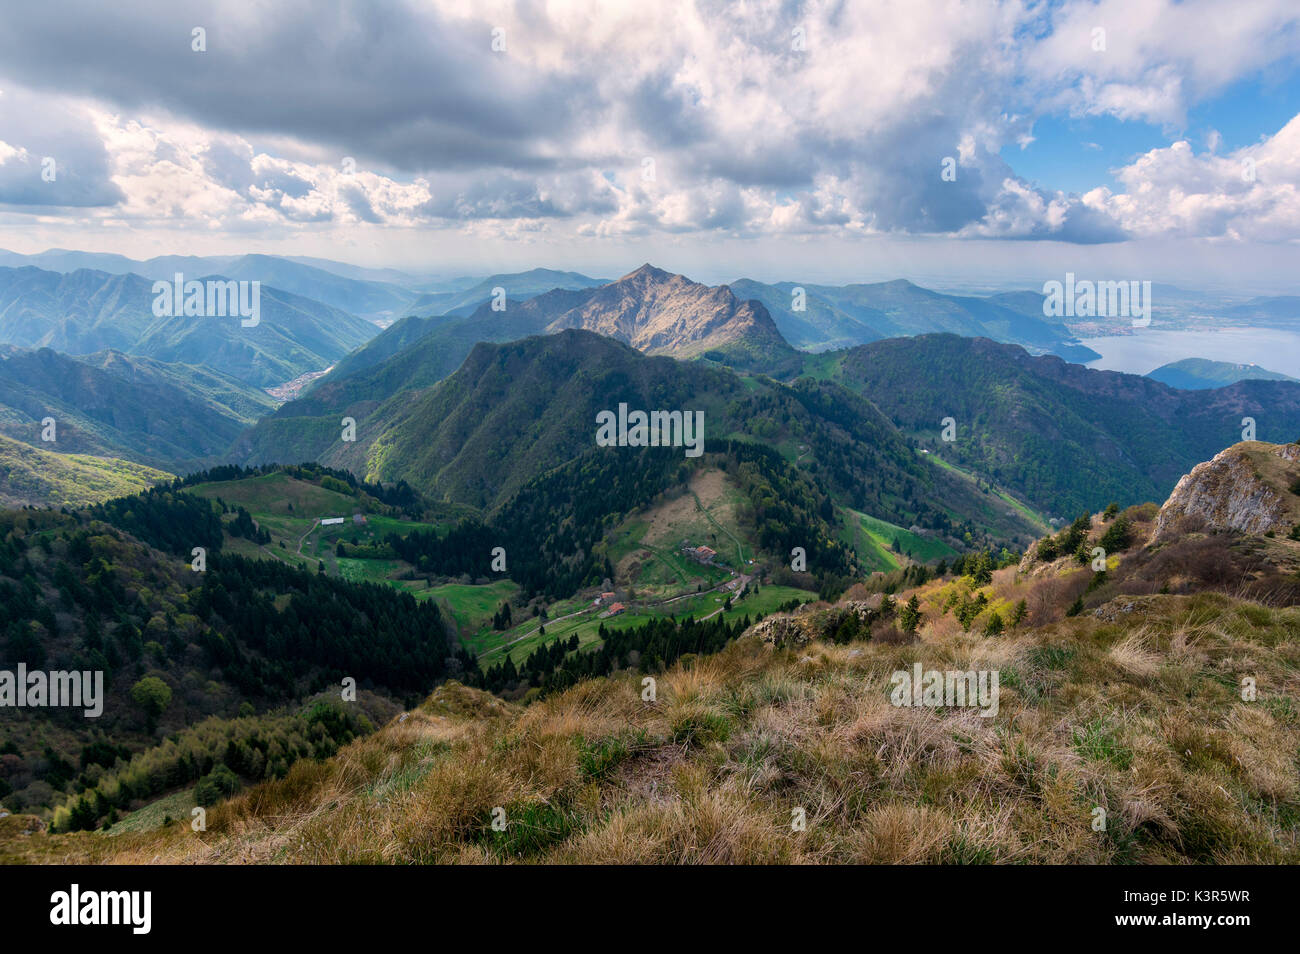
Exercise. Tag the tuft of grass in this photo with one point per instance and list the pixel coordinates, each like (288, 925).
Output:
(597, 759)
(530, 829)
(1098, 741)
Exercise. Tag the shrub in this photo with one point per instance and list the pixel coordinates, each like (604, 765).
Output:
(1018, 614)
(220, 783)
(1118, 536)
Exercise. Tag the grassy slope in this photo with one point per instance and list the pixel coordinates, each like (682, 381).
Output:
(29, 475)
(288, 508)
(521, 640)
(1142, 718)
(873, 540)
(1133, 706)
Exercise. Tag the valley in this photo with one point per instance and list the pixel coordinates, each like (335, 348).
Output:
(545, 434)
(434, 508)
(1119, 687)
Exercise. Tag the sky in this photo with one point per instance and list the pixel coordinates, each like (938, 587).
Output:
(955, 143)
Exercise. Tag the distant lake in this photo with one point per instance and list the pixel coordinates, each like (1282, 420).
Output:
(1149, 348)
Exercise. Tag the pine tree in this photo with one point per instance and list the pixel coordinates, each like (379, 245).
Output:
(909, 617)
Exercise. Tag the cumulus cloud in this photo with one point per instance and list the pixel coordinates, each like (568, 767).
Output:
(771, 118)
(1251, 194)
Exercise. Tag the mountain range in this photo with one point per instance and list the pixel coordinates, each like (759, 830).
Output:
(1065, 437)
(172, 416)
(371, 295)
(84, 311)
(831, 317)
(440, 401)
(517, 410)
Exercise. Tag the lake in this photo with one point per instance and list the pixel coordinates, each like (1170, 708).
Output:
(1148, 348)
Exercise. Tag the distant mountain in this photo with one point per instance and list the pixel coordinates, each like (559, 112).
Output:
(1266, 310)
(29, 475)
(391, 276)
(70, 260)
(847, 315)
(650, 309)
(821, 325)
(519, 285)
(380, 301)
(660, 313)
(86, 311)
(1028, 303)
(114, 405)
(1199, 373)
(1066, 437)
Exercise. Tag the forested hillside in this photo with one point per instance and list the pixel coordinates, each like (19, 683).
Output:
(114, 590)
(1068, 438)
(516, 411)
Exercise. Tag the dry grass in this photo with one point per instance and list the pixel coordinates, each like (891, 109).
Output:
(1142, 717)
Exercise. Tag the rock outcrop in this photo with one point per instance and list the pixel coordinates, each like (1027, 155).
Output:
(801, 627)
(1243, 488)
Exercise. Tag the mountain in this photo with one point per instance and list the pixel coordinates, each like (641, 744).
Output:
(86, 311)
(821, 325)
(369, 294)
(1066, 437)
(513, 432)
(516, 410)
(517, 285)
(70, 260)
(659, 313)
(842, 316)
(379, 302)
(650, 309)
(116, 405)
(389, 276)
(1199, 373)
(29, 475)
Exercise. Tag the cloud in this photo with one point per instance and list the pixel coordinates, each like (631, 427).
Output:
(1252, 194)
(1153, 58)
(771, 118)
(51, 158)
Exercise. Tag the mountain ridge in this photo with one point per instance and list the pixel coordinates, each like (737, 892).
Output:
(85, 311)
